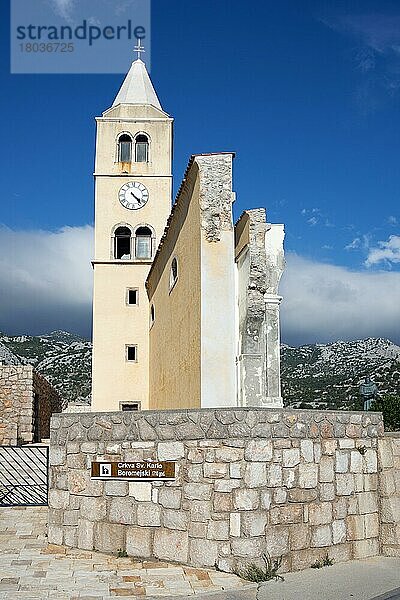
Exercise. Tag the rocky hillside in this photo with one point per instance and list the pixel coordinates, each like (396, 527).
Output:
(329, 375)
(63, 358)
(313, 376)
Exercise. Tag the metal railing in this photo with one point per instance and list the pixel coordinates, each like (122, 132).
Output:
(24, 475)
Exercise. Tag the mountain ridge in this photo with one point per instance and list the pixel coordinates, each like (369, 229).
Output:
(313, 375)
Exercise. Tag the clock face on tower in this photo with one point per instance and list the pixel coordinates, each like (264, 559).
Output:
(133, 195)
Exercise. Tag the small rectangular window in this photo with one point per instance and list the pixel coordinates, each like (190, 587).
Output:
(131, 353)
(132, 296)
(129, 406)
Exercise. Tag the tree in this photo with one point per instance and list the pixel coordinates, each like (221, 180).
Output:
(389, 406)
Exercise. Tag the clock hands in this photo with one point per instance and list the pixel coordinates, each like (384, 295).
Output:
(136, 197)
(139, 194)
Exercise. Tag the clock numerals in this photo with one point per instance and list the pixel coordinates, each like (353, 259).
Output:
(133, 195)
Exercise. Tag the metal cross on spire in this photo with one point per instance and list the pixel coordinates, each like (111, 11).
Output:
(139, 48)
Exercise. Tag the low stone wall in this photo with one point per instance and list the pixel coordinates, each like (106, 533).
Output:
(389, 486)
(301, 484)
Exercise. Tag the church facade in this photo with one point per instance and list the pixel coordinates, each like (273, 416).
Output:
(185, 304)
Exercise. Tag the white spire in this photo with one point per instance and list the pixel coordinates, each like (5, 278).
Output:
(137, 87)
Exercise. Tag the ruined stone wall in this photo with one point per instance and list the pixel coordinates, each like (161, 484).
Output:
(301, 484)
(16, 398)
(49, 402)
(20, 388)
(389, 485)
(260, 263)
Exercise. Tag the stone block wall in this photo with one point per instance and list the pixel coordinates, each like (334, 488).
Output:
(301, 484)
(20, 389)
(16, 398)
(8, 433)
(389, 485)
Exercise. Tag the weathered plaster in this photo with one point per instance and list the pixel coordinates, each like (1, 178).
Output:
(260, 263)
(218, 311)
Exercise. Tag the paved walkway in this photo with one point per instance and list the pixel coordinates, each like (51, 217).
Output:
(32, 570)
(369, 579)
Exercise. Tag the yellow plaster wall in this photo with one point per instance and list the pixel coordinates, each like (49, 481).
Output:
(175, 353)
(116, 324)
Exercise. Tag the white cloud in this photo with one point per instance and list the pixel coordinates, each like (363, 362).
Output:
(63, 8)
(386, 252)
(46, 280)
(46, 284)
(315, 216)
(380, 32)
(356, 243)
(392, 220)
(322, 302)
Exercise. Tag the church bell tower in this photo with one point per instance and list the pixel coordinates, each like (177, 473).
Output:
(133, 182)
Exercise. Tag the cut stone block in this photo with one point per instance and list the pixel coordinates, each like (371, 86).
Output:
(85, 534)
(234, 524)
(170, 450)
(255, 474)
(218, 530)
(253, 523)
(175, 519)
(148, 514)
(122, 510)
(203, 553)
(259, 450)
(140, 490)
(277, 540)
(171, 545)
(290, 457)
(321, 536)
(109, 537)
(308, 475)
(339, 531)
(93, 509)
(320, 513)
(244, 499)
(355, 527)
(139, 541)
(169, 497)
(248, 548)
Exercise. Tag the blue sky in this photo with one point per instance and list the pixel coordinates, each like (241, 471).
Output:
(307, 95)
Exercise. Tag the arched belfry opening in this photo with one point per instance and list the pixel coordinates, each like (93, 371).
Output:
(122, 243)
(143, 243)
(141, 148)
(124, 148)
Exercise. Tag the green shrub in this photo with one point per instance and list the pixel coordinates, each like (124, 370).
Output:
(257, 574)
(325, 562)
(390, 408)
